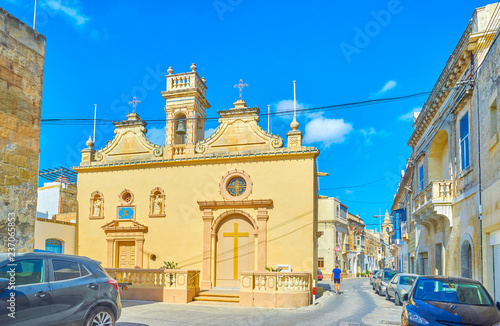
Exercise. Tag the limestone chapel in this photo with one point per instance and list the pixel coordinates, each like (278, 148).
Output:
(239, 200)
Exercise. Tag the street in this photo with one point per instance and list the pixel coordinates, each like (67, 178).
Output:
(357, 305)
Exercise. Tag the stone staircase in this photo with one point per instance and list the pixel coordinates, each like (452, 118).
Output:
(224, 297)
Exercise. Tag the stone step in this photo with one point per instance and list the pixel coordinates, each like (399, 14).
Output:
(215, 298)
(218, 294)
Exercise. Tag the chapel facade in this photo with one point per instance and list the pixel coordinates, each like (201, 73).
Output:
(239, 200)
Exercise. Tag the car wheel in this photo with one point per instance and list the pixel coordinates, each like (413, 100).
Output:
(376, 291)
(387, 297)
(100, 316)
(396, 300)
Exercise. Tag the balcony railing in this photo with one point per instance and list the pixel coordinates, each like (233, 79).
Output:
(436, 192)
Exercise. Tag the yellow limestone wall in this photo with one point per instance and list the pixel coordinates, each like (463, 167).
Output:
(288, 180)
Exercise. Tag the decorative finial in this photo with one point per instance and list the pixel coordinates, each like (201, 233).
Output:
(134, 102)
(203, 80)
(90, 143)
(240, 86)
(170, 70)
(193, 67)
(294, 125)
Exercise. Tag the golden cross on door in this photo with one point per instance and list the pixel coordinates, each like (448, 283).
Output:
(235, 234)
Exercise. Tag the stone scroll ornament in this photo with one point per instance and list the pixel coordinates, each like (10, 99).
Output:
(277, 142)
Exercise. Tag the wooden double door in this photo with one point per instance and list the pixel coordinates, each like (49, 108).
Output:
(125, 254)
(235, 250)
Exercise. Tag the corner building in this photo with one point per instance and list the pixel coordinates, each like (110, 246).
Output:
(236, 201)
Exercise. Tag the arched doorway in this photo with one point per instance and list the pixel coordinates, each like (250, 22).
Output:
(466, 259)
(235, 250)
(439, 162)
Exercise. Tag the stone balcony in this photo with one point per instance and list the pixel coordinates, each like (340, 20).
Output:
(434, 202)
(404, 231)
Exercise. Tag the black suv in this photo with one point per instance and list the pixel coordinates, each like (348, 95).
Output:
(56, 289)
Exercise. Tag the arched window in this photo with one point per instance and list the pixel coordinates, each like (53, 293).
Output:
(54, 245)
(466, 259)
(180, 127)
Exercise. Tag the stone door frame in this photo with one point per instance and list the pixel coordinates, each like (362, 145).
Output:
(124, 230)
(210, 226)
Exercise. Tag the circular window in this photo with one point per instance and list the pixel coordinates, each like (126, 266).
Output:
(236, 186)
(126, 197)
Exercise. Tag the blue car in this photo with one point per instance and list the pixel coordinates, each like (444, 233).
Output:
(442, 300)
(56, 289)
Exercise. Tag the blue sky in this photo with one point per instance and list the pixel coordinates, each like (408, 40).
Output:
(105, 52)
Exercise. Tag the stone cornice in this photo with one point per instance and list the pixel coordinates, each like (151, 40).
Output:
(306, 151)
(255, 203)
(454, 68)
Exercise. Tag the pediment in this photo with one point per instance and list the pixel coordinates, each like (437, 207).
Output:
(130, 143)
(239, 132)
(124, 226)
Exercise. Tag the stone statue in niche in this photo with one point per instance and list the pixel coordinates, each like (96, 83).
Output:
(157, 205)
(97, 207)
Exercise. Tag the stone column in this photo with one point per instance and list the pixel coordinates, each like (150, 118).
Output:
(139, 249)
(262, 218)
(111, 247)
(206, 282)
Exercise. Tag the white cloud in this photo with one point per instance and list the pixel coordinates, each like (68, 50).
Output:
(71, 8)
(348, 192)
(326, 131)
(209, 131)
(409, 116)
(287, 106)
(388, 86)
(157, 135)
(369, 133)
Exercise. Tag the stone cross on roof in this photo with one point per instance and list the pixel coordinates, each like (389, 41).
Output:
(134, 102)
(241, 85)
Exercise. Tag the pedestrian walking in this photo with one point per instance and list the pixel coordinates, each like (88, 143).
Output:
(337, 278)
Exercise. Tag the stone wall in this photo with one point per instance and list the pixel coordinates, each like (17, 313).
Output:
(22, 52)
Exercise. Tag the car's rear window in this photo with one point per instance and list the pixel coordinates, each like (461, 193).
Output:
(389, 275)
(407, 280)
(452, 292)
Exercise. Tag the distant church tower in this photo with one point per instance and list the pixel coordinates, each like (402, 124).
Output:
(386, 227)
(185, 107)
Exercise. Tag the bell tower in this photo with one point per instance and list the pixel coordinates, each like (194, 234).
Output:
(386, 226)
(185, 108)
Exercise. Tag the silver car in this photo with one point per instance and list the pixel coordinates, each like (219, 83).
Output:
(399, 285)
(382, 279)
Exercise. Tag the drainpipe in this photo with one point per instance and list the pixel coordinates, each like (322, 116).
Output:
(480, 217)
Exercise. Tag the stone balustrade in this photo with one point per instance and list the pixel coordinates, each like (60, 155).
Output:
(167, 285)
(179, 149)
(275, 289)
(436, 191)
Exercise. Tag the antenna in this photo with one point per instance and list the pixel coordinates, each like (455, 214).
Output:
(95, 113)
(34, 16)
(294, 100)
(268, 116)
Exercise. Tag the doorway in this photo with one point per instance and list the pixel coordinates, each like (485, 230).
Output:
(234, 251)
(125, 254)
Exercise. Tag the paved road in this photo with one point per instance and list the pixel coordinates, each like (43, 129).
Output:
(357, 305)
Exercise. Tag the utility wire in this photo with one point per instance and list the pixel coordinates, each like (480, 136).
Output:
(334, 107)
